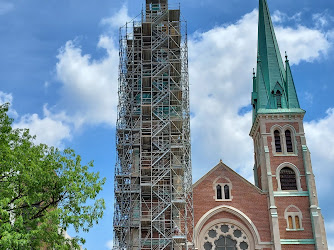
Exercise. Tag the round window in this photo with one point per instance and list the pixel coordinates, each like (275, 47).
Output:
(225, 236)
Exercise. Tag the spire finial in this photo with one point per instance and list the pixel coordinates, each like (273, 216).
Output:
(253, 73)
(286, 56)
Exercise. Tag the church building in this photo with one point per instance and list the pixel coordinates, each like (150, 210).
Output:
(281, 210)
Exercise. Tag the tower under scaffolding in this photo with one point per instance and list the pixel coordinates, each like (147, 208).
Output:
(153, 179)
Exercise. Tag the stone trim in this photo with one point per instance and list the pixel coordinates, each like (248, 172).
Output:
(291, 115)
(290, 194)
(297, 241)
(223, 208)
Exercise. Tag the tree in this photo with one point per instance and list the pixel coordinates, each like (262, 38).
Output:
(43, 191)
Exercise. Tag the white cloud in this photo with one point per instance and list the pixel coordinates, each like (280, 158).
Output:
(4, 98)
(118, 20)
(89, 86)
(220, 65)
(297, 40)
(6, 7)
(220, 83)
(89, 90)
(50, 129)
(330, 227)
(280, 17)
(302, 43)
(322, 20)
(308, 97)
(109, 244)
(8, 98)
(221, 60)
(46, 84)
(330, 233)
(320, 138)
(330, 35)
(330, 243)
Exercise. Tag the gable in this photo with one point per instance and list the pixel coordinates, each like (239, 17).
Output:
(222, 171)
(241, 196)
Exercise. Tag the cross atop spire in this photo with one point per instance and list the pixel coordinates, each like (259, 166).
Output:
(273, 87)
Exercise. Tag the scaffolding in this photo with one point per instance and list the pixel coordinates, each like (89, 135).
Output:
(153, 180)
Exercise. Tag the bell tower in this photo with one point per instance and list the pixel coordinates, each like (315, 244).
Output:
(153, 179)
(282, 159)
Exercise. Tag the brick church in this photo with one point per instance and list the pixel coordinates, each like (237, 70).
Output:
(281, 210)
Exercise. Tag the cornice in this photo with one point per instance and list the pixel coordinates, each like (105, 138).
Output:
(275, 116)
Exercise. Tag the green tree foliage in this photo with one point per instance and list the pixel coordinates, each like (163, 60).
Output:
(43, 191)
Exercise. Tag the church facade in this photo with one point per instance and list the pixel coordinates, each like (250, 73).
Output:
(281, 210)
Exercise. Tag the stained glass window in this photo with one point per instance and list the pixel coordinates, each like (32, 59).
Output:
(227, 192)
(219, 192)
(225, 236)
(207, 246)
(288, 179)
(278, 145)
(225, 243)
(288, 141)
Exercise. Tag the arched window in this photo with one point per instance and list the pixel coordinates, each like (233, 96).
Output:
(288, 141)
(294, 218)
(278, 99)
(222, 187)
(288, 179)
(227, 192)
(224, 236)
(278, 144)
(219, 192)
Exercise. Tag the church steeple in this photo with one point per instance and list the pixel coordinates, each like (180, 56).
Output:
(273, 87)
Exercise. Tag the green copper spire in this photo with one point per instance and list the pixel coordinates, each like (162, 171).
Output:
(273, 87)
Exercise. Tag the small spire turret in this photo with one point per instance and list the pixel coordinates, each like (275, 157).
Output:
(290, 87)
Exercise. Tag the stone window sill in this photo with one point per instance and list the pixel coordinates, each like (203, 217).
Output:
(223, 199)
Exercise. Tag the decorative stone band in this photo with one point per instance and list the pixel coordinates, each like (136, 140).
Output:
(297, 241)
(282, 193)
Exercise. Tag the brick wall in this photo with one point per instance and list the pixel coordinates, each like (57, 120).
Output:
(246, 198)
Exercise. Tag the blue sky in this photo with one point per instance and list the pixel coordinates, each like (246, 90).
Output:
(59, 63)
